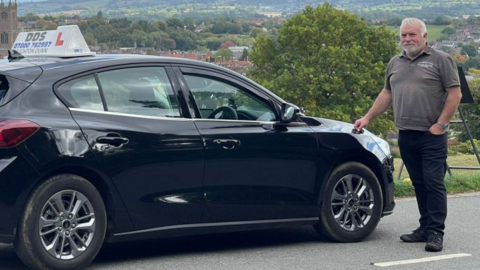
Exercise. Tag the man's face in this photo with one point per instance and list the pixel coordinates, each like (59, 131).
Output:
(412, 40)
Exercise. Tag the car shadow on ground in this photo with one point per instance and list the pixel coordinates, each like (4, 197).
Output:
(165, 247)
(134, 251)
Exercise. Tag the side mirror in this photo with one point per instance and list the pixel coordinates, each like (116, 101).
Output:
(289, 112)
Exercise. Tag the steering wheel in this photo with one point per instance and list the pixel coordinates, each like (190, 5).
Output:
(227, 113)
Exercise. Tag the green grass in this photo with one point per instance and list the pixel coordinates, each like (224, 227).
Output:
(434, 31)
(460, 181)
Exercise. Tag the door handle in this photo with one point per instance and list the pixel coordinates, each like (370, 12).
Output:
(112, 139)
(227, 143)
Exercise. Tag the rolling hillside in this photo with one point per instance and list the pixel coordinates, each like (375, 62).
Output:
(155, 9)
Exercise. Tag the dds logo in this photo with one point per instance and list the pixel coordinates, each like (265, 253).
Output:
(36, 36)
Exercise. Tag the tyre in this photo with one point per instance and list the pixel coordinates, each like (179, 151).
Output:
(352, 204)
(62, 226)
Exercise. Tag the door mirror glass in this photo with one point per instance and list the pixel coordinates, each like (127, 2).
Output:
(289, 112)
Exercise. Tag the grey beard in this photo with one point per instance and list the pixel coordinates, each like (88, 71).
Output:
(413, 53)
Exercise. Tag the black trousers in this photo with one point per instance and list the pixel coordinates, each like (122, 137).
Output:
(425, 157)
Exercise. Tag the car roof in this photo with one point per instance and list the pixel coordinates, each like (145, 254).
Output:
(55, 62)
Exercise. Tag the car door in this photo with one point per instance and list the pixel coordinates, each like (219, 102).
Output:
(255, 169)
(134, 122)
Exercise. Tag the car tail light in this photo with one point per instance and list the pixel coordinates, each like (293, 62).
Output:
(14, 132)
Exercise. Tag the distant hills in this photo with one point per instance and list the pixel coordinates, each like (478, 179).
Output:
(161, 9)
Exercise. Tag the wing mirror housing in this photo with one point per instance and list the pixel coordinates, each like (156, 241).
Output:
(289, 113)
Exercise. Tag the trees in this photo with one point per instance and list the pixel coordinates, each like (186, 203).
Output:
(448, 30)
(213, 43)
(472, 110)
(327, 61)
(470, 50)
(244, 55)
(185, 40)
(473, 62)
(442, 20)
(395, 21)
(224, 53)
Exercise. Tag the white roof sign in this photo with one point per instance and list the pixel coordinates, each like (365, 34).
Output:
(66, 41)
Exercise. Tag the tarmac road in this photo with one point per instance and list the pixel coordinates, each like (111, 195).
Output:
(301, 248)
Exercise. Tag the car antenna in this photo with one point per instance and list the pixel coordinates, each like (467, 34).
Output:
(14, 55)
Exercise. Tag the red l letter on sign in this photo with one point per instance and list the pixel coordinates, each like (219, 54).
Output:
(59, 41)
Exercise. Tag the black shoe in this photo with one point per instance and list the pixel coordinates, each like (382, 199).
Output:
(418, 235)
(434, 242)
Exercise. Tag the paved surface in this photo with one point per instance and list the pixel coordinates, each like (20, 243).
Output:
(299, 248)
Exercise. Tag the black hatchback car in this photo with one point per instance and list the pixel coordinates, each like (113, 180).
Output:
(114, 148)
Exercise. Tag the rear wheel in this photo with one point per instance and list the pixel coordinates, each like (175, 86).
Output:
(352, 204)
(63, 224)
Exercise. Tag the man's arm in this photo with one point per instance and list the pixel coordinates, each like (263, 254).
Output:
(381, 104)
(451, 105)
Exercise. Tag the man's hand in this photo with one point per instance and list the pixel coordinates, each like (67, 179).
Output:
(436, 129)
(380, 105)
(361, 123)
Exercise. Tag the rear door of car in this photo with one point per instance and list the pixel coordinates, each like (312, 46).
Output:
(254, 168)
(135, 120)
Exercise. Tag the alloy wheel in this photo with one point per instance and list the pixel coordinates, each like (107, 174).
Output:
(352, 202)
(67, 224)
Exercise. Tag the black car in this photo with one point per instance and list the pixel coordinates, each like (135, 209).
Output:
(114, 148)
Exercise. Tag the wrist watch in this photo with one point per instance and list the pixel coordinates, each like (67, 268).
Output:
(443, 125)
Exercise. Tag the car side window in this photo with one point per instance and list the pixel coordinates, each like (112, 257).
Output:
(218, 100)
(142, 91)
(82, 93)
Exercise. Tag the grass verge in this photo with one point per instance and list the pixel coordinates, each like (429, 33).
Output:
(461, 181)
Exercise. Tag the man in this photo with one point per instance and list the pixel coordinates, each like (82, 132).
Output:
(423, 85)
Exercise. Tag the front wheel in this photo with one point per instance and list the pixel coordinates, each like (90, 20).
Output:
(63, 224)
(352, 204)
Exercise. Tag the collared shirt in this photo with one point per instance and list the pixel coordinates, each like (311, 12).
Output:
(419, 87)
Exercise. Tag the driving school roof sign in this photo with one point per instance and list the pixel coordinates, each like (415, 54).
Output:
(66, 41)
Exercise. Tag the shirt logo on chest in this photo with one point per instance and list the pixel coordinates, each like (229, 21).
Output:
(425, 64)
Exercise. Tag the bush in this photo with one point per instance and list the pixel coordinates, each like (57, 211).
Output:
(396, 153)
(463, 148)
(393, 142)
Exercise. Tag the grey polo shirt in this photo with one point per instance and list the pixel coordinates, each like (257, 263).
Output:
(419, 87)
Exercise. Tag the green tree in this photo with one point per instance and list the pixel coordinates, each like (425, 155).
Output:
(446, 49)
(256, 31)
(448, 30)
(470, 50)
(150, 51)
(224, 53)
(395, 21)
(29, 17)
(90, 39)
(473, 62)
(327, 61)
(244, 55)
(185, 40)
(213, 43)
(471, 111)
(100, 15)
(189, 23)
(442, 20)
(175, 23)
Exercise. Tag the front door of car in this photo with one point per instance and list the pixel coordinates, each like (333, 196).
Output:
(254, 169)
(135, 125)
